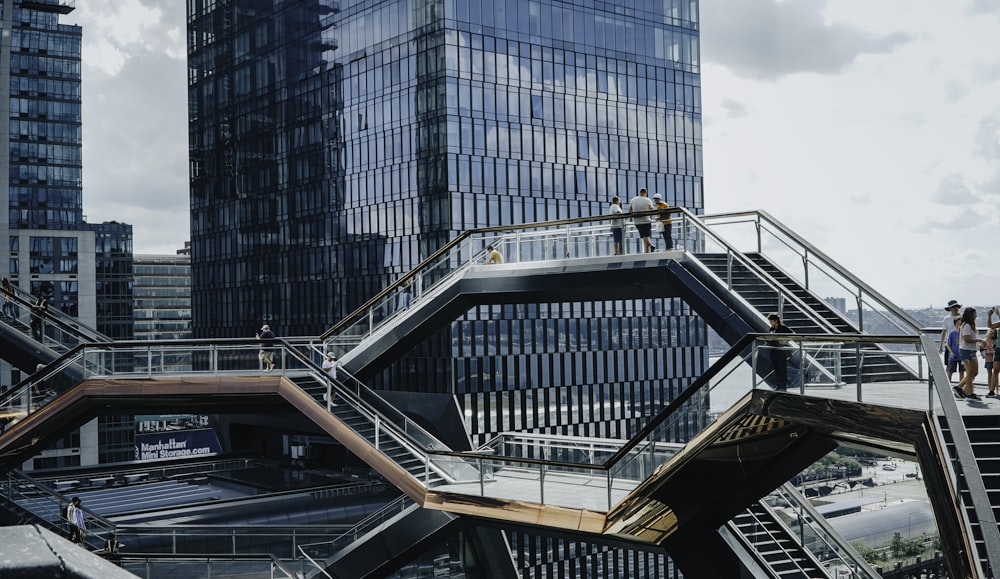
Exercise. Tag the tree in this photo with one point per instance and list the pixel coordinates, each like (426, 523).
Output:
(867, 553)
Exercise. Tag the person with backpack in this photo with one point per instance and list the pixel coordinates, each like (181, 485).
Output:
(266, 353)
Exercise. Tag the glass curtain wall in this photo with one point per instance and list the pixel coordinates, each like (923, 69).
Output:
(334, 144)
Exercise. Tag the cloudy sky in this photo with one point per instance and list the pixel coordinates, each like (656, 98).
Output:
(871, 128)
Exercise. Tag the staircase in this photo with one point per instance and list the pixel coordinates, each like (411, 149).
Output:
(760, 291)
(776, 548)
(361, 418)
(984, 435)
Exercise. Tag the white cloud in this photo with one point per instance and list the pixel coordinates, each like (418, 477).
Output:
(135, 118)
(734, 109)
(896, 142)
(988, 137)
(769, 39)
(952, 191)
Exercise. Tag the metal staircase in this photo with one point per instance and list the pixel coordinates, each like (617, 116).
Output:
(784, 555)
(766, 288)
(983, 432)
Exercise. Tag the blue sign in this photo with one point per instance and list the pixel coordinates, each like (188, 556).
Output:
(176, 444)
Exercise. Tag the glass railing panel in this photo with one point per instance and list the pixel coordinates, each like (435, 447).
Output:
(731, 380)
(203, 568)
(579, 450)
(817, 537)
(567, 485)
(392, 428)
(757, 232)
(324, 550)
(417, 287)
(859, 369)
(546, 241)
(224, 540)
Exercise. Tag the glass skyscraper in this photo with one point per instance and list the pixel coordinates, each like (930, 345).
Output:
(335, 144)
(83, 269)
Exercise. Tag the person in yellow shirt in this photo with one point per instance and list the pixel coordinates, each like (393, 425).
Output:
(493, 256)
(665, 221)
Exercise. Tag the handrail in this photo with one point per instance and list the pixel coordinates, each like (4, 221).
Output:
(687, 394)
(772, 540)
(743, 260)
(402, 429)
(388, 413)
(49, 496)
(965, 462)
(825, 531)
(363, 527)
(127, 560)
(661, 417)
(469, 233)
(809, 249)
(67, 323)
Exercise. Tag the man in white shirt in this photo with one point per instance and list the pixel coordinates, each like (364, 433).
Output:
(330, 366)
(643, 223)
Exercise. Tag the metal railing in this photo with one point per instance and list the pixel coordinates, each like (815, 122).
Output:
(314, 552)
(757, 231)
(689, 414)
(155, 566)
(550, 240)
(143, 360)
(817, 535)
(580, 238)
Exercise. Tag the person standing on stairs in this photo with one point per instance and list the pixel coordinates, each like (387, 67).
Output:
(779, 352)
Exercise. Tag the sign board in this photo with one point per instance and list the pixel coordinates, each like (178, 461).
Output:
(176, 444)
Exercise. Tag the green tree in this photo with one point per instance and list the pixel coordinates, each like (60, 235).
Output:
(867, 553)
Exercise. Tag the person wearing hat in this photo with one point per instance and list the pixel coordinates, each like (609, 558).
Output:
(947, 325)
(266, 355)
(665, 222)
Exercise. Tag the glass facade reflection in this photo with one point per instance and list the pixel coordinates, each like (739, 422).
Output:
(335, 144)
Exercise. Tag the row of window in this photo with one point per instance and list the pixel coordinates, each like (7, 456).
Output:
(31, 130)
(505, 337)
(605, 410)
(45, 36)
(53, 175)
(547, 557)
(58, 68)
(49, 197)
(44, 218)
(54, 111)
(45, 153)
(41, 20)
(51, 87)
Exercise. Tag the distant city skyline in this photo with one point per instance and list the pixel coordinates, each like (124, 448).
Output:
(872, 130)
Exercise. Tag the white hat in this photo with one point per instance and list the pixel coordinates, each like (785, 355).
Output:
(265, 328)
(657, 196)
